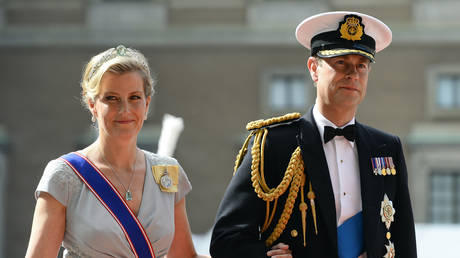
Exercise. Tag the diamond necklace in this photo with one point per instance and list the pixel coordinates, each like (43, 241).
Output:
(128, 194)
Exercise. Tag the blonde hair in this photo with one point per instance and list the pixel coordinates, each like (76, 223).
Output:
(117, 60)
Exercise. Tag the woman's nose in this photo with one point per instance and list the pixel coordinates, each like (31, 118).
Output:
(124, 106)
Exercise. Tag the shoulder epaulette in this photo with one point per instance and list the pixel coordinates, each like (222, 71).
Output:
(271, 121)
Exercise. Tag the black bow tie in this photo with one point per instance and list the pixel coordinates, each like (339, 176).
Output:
(348, 132)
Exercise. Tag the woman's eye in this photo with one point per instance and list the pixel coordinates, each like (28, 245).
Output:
(110, 98)
(134, 97)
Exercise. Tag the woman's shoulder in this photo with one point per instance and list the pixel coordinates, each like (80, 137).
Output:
(156, 159)
(59, 180)
(59, 171)
(58, 167)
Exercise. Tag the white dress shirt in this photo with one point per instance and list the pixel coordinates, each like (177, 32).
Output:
(342, 161)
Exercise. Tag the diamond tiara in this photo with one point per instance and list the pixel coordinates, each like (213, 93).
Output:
(115, 52)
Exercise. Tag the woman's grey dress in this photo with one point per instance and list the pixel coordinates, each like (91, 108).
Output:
(90, 229)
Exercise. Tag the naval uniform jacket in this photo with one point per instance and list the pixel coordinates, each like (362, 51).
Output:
(241, 213)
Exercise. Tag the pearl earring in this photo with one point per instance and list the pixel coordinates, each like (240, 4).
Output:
(93, 119)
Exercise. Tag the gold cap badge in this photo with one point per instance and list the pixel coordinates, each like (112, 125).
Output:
(351, 28)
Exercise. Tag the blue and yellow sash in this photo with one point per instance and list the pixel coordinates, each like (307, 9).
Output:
(113, 202)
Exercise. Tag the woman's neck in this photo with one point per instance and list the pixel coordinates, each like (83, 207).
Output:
(120, 154)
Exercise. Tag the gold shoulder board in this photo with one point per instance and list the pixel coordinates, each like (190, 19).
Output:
(274, 120)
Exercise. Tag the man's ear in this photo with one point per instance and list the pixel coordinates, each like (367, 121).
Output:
(312, 64)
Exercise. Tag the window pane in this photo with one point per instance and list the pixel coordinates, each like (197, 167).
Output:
(298, 93)
(445, 90)
(456, 94)
(442, 197)
(457, 198)
(287, 92)
(277, 94)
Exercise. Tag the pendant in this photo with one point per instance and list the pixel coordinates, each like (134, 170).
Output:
(128, 195)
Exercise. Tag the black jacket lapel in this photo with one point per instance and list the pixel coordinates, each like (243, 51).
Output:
(371, 186)
(316, 169)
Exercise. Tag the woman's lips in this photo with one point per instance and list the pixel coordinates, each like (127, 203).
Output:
(124, 121)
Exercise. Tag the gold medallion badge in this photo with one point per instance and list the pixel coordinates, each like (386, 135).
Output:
(167, 177)
(391, 253)
(351, 28)
(387, 211)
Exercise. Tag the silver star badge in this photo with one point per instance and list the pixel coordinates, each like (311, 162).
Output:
(391, 253)
(387, 211)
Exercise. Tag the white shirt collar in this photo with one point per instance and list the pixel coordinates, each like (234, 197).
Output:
(322, 121)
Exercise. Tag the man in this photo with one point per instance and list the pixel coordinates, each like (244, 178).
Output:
(322, 185)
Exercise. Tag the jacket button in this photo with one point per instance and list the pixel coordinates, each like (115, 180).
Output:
(294, 233)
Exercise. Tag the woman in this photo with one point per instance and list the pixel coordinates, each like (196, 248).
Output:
(78, 194)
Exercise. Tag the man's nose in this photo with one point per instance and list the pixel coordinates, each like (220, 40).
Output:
(352, 72)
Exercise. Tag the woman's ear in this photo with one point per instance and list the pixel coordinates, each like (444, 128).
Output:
(147, 105)
(92, 109)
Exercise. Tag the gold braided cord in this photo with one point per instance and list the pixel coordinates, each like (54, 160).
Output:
(273, 214)
(273, 193)
(261, 123)
(292, 176)
(256, 125)
(242, 152)
(290, 201)
(268, 217)
(263, 183)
